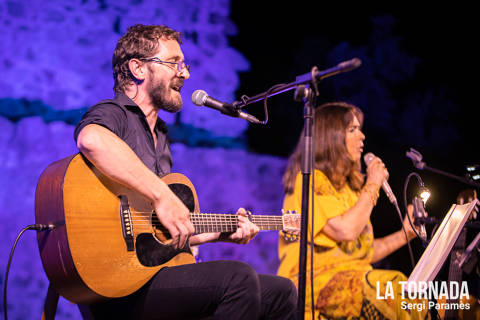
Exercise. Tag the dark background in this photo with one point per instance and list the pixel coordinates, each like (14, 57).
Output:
(417, 87)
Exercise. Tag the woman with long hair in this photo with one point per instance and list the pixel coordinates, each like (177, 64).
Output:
(345, 284)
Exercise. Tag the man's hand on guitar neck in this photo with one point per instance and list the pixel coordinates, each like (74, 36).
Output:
(245, 232)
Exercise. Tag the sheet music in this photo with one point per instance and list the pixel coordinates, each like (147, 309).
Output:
(442, 243)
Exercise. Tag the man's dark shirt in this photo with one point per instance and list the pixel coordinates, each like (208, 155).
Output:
(124, 117)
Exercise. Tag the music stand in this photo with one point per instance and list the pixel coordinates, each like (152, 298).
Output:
(441, 244)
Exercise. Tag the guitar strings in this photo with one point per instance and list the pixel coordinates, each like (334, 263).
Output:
(216, 214)
(208, 221)
(213, 217)
(200, 221)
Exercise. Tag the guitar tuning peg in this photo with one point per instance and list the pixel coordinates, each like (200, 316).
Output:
(290, 237)
(282, 211)
(294, 211)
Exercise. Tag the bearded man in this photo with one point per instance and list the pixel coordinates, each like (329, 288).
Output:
(126, 140)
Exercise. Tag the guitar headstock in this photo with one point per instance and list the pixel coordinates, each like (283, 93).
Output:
(291, 225)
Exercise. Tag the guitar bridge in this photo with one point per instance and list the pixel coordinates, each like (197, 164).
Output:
(126, 222)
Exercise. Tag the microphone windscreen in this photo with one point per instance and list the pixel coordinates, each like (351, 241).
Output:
(199, 97)
(368, 157)
(350, 64)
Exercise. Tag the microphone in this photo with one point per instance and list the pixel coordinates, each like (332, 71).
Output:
(385, 186)
(344, 66)
(419, 213)
(201, 98)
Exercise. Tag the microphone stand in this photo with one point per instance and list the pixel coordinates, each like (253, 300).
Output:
(306, 90)
(416, 158)
(461, 179)
(308, 95)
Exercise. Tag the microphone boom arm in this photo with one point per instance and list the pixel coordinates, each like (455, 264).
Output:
(416, 158)
(300, 80)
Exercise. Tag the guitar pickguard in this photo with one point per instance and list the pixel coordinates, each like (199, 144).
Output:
(185, 194)
(151, 253)
(150, 249)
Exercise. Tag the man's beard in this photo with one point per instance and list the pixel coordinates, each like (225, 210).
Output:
(160, 97)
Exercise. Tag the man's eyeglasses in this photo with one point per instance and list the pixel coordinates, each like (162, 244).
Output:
(180, 66)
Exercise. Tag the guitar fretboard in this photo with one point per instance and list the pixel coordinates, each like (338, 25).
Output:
(215, 222)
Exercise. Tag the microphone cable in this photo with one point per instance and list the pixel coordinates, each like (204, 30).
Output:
(36, 227)
(408, 216)
(433, 312)
(245, 98)
(405, 203)
(391, 196)
(412, 260)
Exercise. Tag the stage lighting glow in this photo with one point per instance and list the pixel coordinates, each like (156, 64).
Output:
(424, 194)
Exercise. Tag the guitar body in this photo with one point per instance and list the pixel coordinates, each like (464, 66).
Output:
(104, 244)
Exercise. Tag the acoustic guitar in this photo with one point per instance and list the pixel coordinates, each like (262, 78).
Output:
(107, 241)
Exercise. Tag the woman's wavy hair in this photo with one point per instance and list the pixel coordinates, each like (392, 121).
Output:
(331, 121)
(138, 42)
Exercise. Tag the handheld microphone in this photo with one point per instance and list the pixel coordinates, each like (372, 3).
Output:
(385, 186)
(201, 98)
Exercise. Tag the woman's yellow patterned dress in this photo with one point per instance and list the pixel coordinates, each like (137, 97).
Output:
(345, 284)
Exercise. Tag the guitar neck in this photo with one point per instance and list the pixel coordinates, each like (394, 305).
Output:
(214, 222)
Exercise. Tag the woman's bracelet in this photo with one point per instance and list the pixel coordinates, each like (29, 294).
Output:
(373, 190)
